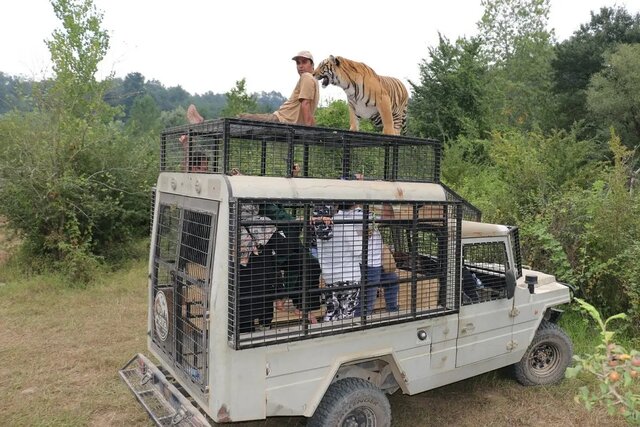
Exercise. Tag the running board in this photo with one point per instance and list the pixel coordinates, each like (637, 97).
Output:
(162, 400)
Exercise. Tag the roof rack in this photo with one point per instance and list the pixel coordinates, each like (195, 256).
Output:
(272, 149)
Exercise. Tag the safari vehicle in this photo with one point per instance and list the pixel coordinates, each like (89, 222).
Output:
(232, 343)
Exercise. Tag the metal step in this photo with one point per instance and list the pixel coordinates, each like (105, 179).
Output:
(164, 403)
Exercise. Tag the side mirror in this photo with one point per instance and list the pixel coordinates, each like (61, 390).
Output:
(511, 283)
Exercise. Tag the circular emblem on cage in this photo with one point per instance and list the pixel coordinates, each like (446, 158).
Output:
(161, 315)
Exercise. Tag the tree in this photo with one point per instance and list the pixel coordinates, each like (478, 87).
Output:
(613, 95)
(336, 115)
(517, 45)
(506, 22)
(451, 97)
(269, 102)
(521, 87)
(132, 88)
(70, 181)
(144, 118)
(581, 56)
(239, 101)
(13, 92)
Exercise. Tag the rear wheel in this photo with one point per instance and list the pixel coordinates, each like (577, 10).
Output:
(352, 402)
(547, 357)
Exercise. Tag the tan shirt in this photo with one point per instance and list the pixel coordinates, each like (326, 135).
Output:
(307, 88)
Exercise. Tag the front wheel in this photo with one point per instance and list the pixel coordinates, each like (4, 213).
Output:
(352, 402)
(547, 357)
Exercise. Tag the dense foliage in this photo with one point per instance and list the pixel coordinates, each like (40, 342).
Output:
(614, 368)
(71, 179)
(534, 147)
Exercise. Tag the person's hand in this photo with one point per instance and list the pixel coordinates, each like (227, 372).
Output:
(295, 171)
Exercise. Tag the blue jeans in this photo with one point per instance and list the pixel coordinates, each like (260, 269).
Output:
(377, 278)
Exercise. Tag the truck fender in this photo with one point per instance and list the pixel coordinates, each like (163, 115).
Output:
(380, 369)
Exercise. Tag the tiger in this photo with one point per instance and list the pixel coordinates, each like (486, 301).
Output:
(382, 99)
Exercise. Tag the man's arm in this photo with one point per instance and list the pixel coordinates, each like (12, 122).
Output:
(307, 117)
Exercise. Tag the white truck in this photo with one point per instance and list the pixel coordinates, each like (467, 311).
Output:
(239, 326)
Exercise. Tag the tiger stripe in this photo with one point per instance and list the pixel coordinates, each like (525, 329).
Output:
(381, 99)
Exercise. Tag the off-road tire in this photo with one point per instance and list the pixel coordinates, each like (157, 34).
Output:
(546, 358)
(352, 402)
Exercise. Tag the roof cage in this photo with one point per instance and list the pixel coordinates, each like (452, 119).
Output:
(273, 149)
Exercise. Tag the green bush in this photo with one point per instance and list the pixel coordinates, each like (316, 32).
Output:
(578, 215)
(616, 371)
(71, 182)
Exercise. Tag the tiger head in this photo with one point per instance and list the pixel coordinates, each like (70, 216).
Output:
(327, 71)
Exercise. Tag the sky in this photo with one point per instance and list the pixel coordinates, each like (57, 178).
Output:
(207, 45)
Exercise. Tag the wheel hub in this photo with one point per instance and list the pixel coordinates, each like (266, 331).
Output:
(544, 358)
(360, 417)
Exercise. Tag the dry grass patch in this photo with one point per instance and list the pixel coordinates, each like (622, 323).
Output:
(61, 350)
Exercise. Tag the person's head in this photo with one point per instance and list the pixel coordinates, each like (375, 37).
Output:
(198, 162)
(304, 62)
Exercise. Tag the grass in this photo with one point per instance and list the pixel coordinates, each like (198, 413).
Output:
(61, 350)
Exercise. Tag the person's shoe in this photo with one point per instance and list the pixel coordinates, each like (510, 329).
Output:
(193, 116)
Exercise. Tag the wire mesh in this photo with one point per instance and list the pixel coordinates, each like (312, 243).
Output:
(181, 287)
(303, 268)
(514, 236)
(469, 212)
(272, 149)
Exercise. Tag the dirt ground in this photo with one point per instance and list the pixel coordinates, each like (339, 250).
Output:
(60, 351)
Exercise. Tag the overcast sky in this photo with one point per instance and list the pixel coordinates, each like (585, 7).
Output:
(206, 45)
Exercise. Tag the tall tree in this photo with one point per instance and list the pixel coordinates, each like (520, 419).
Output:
(144, 118)
(239, 101)
(69, 180)
(613, 96)
(521, 87)
(76, 50)
(518, 46)
(451, 96)
(505, 22)
(581, 56)
(132, 88)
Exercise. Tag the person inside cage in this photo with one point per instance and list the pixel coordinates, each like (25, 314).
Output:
(380, 273)
(196, 162)
(380, 269)
(340, 257)
(257, 270)
(291, 259)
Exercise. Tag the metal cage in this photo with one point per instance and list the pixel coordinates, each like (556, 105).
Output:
(272, 149)
(380, 263)
(180, 280)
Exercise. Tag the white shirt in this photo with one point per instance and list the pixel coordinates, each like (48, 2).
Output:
(340, 256)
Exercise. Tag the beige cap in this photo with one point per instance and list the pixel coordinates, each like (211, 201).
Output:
(303, 54)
